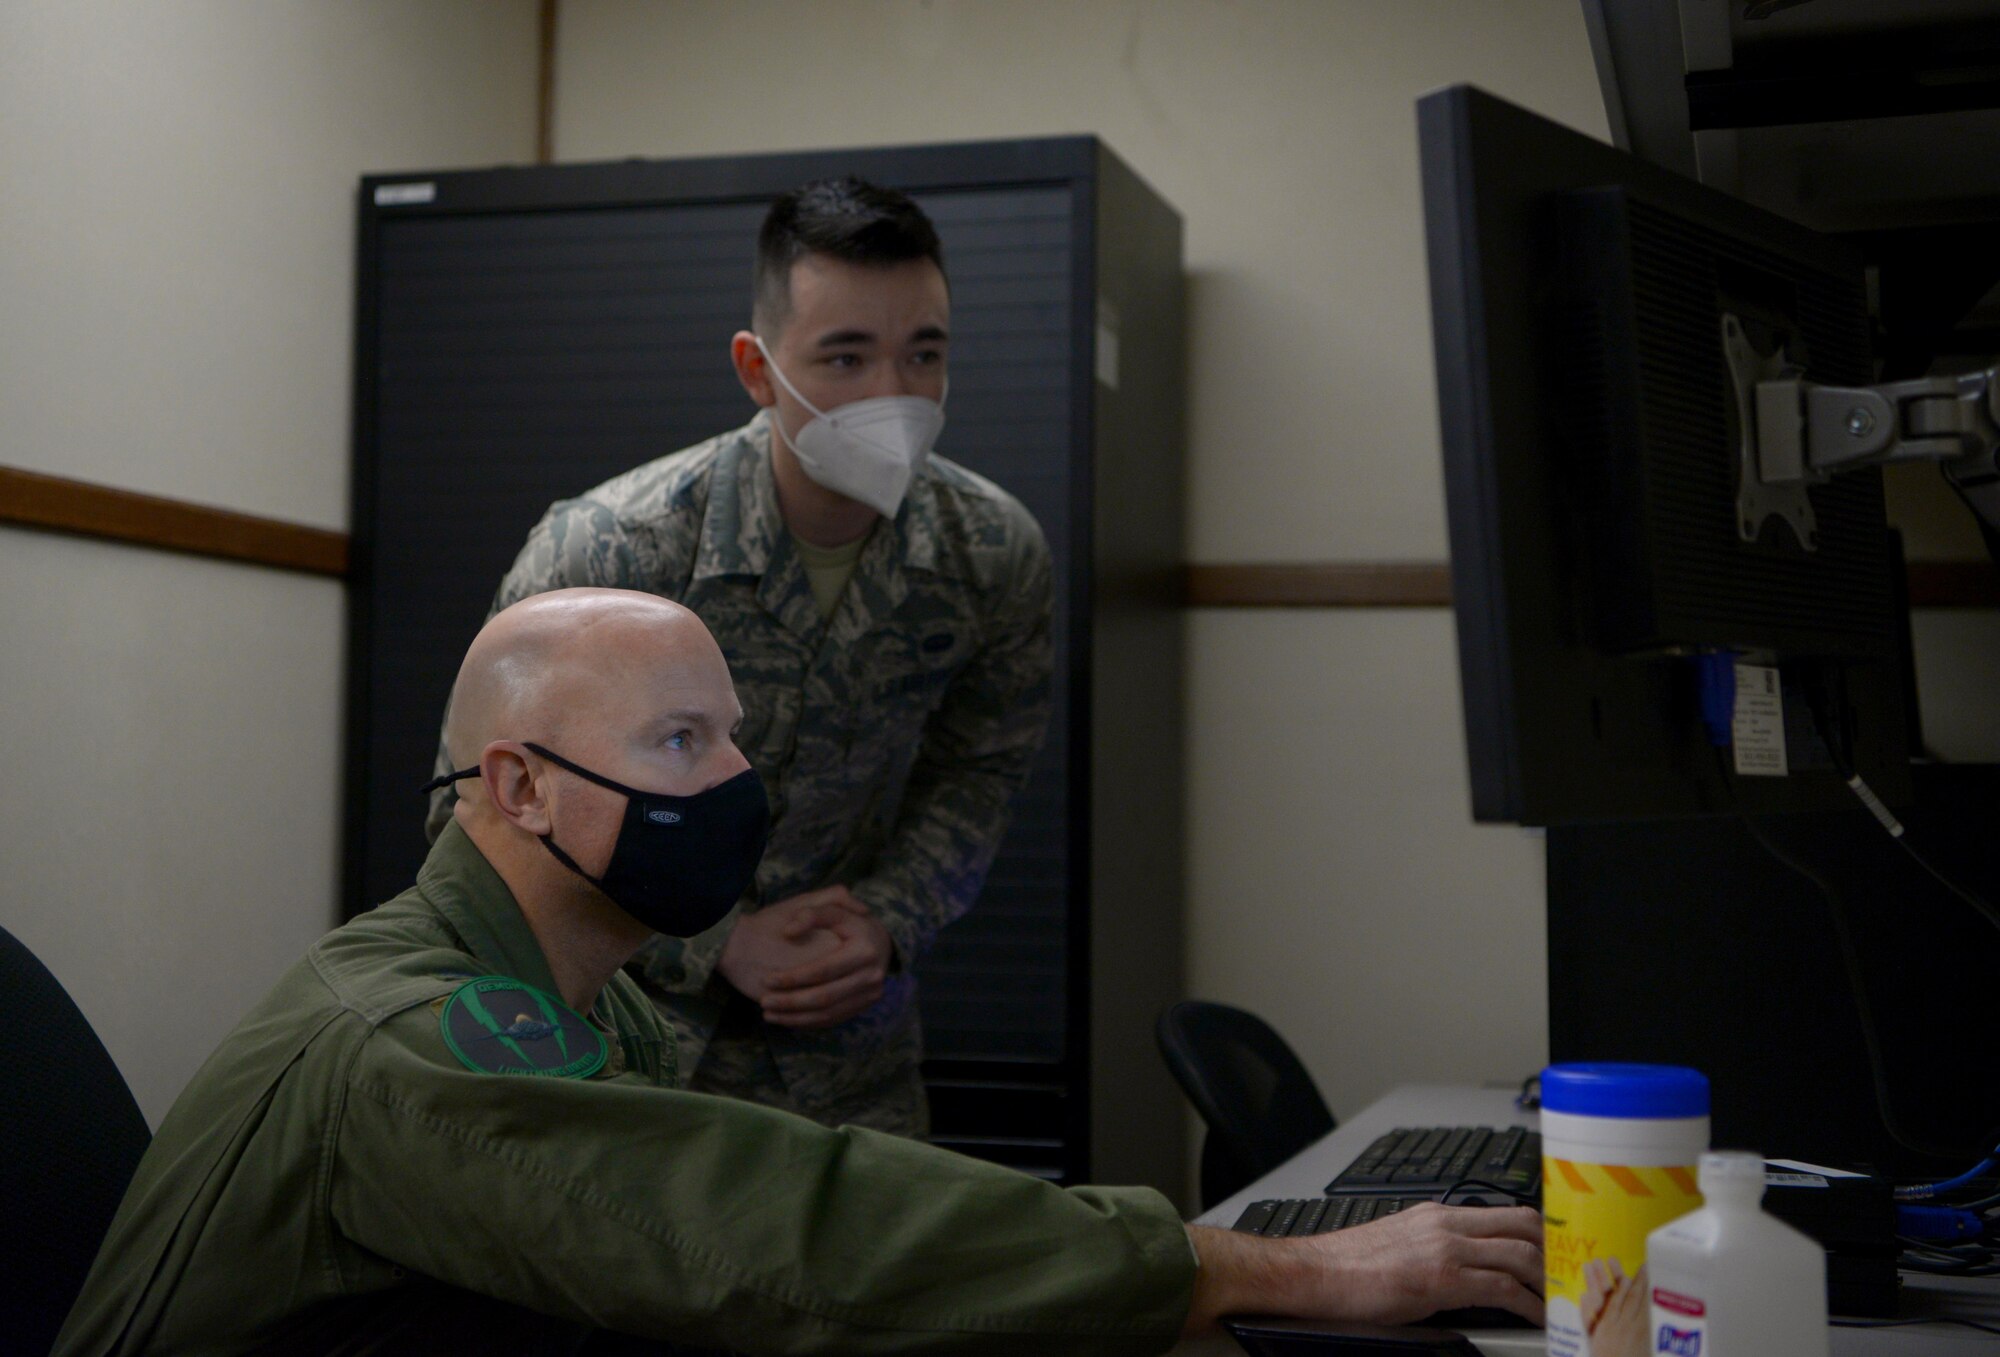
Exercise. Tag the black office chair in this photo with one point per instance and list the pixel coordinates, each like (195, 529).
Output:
(1260, 1105)
(70, 1137)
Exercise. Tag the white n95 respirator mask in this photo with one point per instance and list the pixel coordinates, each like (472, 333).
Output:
(868, 450)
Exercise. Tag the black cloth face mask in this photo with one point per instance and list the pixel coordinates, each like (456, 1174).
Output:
(680, 862)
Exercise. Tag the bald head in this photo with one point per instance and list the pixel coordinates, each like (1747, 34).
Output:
(580, 664)
(570, 706)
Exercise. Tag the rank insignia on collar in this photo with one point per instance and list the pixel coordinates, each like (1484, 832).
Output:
(497, 1025)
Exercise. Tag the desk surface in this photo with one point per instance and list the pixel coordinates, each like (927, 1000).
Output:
(1307, 1173)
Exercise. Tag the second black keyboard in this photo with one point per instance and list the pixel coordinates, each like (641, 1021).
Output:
(1464, 1164)
(1430, 1160)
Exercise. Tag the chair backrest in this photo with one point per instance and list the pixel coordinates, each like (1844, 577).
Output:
(1258, 1102)
(70, 1137)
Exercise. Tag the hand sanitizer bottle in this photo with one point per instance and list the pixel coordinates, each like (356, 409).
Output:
(1731, 1281)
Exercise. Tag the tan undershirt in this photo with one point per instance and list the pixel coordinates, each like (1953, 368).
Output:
(828, 570)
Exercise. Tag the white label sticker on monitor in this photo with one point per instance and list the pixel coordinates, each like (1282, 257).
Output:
(1793, 1179)
(1758, 730)
(404, 195)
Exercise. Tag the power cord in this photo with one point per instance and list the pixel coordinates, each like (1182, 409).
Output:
(1887, 819)
(1715, 676)
(1851, 960)
(1717, 688)
(1824, 726)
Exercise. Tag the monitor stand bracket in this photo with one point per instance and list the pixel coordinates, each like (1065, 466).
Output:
(1761, 497)
(1807, 432)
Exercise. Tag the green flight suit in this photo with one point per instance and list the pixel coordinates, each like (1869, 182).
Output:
(334, 1153)
(890, 737)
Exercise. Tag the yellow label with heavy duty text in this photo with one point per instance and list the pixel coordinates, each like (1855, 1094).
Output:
(1595, 1221)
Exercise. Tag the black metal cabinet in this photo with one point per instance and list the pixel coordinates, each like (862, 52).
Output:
(524, 333)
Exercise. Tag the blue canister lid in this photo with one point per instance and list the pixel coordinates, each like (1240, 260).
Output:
(1610, 1089)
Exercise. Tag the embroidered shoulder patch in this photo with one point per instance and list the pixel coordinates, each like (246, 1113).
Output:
(497, 1025)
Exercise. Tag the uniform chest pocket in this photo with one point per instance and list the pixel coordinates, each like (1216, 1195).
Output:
(913, 671)
(884, 693)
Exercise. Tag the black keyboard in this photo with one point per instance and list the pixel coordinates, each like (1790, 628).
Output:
(1434, 1159)
(1405, 1167)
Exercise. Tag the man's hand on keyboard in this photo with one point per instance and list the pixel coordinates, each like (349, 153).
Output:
(1391, 1271)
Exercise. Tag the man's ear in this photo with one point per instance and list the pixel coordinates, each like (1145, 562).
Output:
(508, 775)
(752, 369)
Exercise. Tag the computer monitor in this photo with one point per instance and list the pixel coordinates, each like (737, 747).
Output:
(1600, 324)
(1597, 322)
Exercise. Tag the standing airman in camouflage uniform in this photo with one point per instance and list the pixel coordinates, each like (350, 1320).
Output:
(891, 650)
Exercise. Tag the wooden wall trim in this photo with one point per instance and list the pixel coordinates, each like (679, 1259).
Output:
(35, 500)
(1383, 584)
(1427, 584)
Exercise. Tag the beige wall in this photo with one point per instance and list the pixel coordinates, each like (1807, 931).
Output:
(1329, 847)
(176, 264)
(1336, 882)
(1283, 130)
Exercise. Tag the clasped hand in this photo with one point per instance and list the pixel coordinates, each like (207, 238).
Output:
(814, 960)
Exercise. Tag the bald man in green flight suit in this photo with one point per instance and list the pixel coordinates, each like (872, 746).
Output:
(454, 1125)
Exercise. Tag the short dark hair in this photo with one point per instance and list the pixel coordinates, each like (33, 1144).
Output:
(848, 219)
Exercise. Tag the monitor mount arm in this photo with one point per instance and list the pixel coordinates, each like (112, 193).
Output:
(1798, 433)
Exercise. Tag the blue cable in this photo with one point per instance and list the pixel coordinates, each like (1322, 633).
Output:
(1925, 1191)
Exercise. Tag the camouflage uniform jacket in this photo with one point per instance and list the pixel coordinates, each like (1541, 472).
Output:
(890, 738)
(336, 1176)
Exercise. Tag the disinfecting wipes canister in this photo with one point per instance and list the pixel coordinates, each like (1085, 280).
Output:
(1620, 1146)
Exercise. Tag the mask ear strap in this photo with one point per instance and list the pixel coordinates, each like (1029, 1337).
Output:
(446, 779)
(582, 772)
(783, 380)
(549, 842)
